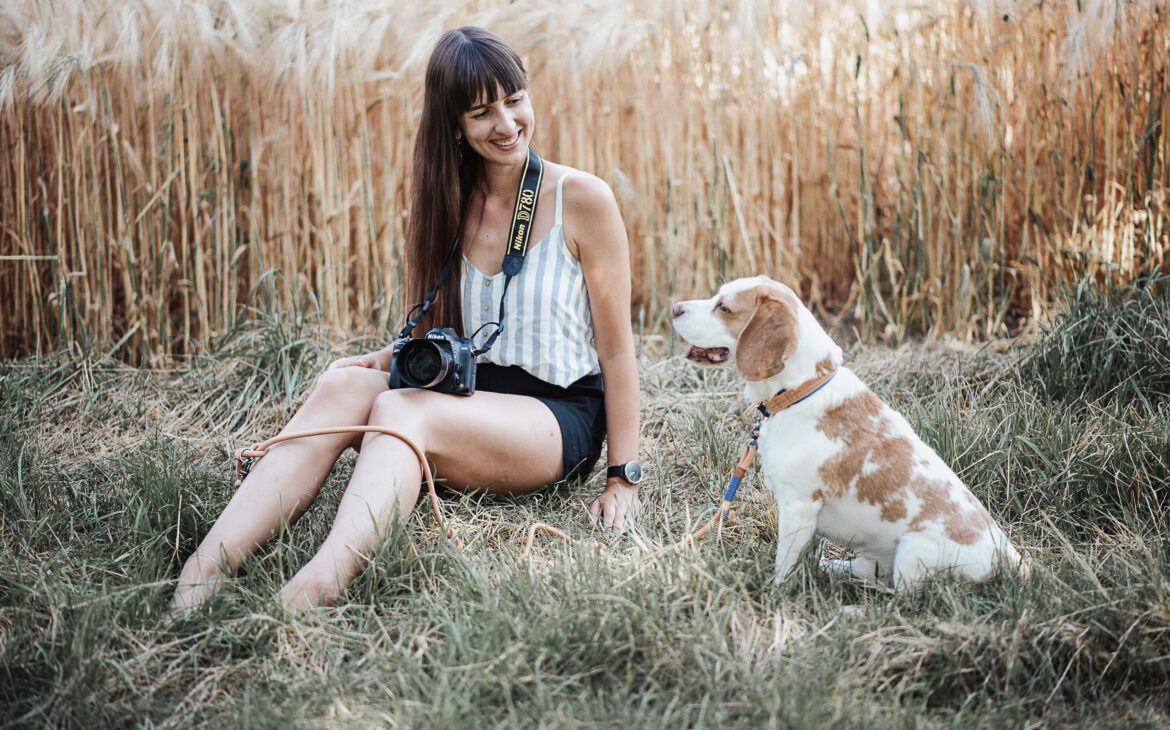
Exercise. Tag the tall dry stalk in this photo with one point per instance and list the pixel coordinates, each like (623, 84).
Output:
(930, 168)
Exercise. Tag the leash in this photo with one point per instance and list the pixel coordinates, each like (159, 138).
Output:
(745, 460)
(783, 400)
(247, 457)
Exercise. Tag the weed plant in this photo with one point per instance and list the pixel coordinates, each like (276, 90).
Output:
(109, 476)
(1109, 342)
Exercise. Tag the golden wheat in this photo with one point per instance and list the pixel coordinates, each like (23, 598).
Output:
(926, 168)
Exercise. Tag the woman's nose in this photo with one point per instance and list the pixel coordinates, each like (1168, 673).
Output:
(506, 121)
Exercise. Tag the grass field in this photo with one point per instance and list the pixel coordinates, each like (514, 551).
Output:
(109, 475)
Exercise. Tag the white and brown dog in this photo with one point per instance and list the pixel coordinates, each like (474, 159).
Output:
(842, 464)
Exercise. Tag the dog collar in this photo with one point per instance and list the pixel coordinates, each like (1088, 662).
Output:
(788, 398)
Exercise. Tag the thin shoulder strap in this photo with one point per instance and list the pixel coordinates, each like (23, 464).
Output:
(560, 184)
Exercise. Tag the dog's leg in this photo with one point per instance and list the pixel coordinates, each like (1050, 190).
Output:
(920, 555)
(798, 523)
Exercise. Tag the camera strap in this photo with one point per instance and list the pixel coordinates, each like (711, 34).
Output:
(425, 307)
(522, 218)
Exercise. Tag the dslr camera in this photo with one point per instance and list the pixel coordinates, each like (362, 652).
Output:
(442, 361)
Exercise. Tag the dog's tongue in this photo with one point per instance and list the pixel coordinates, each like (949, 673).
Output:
(706, 354)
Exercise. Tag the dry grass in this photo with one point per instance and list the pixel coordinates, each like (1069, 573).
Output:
(921, 168)
(109, 475)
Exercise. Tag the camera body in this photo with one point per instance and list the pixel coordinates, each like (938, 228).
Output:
(442, 361)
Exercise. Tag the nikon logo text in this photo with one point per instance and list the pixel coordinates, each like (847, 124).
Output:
(518, 240)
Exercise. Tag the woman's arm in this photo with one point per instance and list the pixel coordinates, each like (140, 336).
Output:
(596, 233)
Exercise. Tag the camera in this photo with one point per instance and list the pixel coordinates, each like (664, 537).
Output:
(442, 361)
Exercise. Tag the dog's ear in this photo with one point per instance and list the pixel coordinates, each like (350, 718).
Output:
(768, 339)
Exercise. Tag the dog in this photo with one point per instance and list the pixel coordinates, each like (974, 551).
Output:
(843, 465)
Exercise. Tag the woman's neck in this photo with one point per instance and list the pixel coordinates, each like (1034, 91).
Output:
(500, 180)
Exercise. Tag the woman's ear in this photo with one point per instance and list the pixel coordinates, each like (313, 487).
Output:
(768, 339)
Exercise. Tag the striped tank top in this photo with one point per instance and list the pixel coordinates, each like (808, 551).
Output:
(548, 329)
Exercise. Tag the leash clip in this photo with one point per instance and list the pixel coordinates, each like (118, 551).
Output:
(245, 467)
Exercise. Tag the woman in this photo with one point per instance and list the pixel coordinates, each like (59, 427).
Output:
(539, 411)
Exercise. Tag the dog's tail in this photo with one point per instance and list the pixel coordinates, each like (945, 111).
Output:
(1008, 559)
(1025, 567)
(1011, 559)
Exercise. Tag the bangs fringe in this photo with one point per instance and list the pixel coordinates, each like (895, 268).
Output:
(483, 67)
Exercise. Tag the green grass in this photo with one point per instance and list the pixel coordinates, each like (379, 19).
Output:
(1111, 343)
(109, 476)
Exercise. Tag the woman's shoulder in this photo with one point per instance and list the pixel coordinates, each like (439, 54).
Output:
(592, 219)
(582, 191)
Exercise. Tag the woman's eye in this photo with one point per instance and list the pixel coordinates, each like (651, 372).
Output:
(722, 309)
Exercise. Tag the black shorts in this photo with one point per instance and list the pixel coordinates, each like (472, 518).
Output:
(579, 410)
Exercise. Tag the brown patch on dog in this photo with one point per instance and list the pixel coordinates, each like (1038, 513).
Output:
(824, 367)
(863, 429)
(743, 307)
(858, 424)
(964, 524)
(769, 337)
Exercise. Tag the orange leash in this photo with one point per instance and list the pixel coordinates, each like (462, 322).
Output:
(246, 457)
(544, 527)
(745, 460)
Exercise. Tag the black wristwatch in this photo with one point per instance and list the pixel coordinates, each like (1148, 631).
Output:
(630, 471)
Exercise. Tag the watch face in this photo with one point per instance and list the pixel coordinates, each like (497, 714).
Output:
(633, 472)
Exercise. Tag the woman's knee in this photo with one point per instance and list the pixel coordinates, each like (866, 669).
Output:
(408, 411)
(341, 381)
(400, 408)
(350, 386)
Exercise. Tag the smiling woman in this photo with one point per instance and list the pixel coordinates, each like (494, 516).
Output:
(556, 379)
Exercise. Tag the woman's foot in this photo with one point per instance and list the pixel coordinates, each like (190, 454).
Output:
(201, 578)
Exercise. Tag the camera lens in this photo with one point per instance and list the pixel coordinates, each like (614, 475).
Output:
(423, 364)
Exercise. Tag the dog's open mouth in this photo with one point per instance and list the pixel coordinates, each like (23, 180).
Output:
(707, 355)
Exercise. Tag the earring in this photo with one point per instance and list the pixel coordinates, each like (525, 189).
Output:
(459, 148)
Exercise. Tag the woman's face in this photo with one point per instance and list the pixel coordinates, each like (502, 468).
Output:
(500, 130)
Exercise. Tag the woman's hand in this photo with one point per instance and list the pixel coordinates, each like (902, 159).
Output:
(357, 361)
(379, 360)
(617, 505)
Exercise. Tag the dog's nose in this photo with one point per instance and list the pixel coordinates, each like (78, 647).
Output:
(678, 309)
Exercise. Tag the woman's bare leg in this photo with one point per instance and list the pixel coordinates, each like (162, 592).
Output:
(502, 443)
(284, 483)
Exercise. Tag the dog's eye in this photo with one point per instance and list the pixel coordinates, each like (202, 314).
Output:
(722, 309)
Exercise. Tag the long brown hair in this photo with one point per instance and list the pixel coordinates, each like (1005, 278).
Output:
(465, 67)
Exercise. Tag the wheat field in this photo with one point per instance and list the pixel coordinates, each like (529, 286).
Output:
(912, 168)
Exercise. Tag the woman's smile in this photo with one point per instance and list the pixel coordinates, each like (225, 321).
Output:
(509, 143)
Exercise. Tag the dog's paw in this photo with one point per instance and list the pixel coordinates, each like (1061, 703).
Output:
(784, 575)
